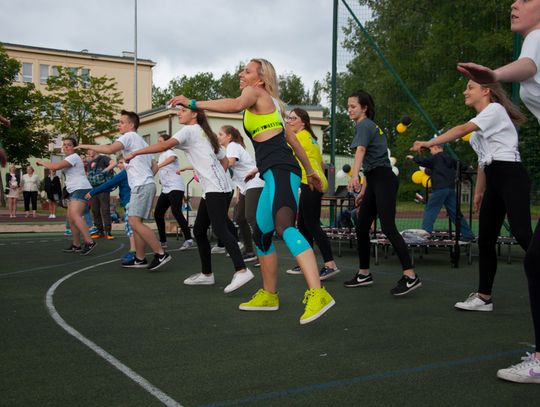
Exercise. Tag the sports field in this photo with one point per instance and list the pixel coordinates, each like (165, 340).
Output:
(162, 342)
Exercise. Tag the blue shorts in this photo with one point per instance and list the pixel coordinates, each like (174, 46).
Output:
(78, 195)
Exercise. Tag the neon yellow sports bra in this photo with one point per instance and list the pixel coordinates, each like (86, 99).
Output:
(255, 124)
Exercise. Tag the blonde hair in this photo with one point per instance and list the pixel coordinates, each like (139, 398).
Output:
(267, 73)
(499, 95)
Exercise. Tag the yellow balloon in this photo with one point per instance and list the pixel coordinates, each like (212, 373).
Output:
(417, 177)
(401, 128)
(349, 173)
(426, 181)
(361, 180)
(467, 137)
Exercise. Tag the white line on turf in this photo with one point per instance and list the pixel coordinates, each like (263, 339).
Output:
(141, 381)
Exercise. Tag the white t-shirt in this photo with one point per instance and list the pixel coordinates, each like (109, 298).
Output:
(139, 169)
(497, 138)
(75, 175)
(170, 180)
(244, 164)
(194, 142)
(530, 89)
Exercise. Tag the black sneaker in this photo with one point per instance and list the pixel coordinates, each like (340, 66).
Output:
(136, 263)
(405, 285)
(87, 248)
(359, 280)
(159, 260)
(72, 249)
(327, 272)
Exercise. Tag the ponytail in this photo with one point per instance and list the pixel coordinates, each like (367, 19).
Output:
(202, 121)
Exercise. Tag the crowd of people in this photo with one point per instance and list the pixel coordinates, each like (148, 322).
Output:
(287, 160)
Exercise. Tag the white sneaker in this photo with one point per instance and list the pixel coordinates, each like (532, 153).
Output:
(528, 371)
(53, 216)
(188, 244)
(238, 280)
(475, 303)
(50, 216)
(218, 250)
(200, 279)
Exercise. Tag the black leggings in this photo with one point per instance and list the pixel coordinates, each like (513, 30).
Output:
(230, 223)
(309, 224)
(30, 196)
(507, 193)
(173, 200)
(380, 199)
(213, 211)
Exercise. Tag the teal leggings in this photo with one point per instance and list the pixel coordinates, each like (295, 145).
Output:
(276, 211)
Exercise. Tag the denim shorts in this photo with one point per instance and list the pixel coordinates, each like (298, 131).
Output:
(78, 195)
(141, 201)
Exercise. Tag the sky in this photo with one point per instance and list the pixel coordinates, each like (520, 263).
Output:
(182, 37)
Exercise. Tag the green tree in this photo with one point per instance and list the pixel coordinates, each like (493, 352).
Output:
(81, 105)
(21, 104)
(201, 86)
(291, 89)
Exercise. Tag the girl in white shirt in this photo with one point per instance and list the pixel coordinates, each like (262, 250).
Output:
(77, 186)
(172, 195)
(502, 184)
(243, 166)
(202, 148)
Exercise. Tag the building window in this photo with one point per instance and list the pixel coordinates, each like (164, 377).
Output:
(17, 77)
(54, 71)
(85, 76)
(27, 72)
(146, 138)
(43, 74)
(162, 132)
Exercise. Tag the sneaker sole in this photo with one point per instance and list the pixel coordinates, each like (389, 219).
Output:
(160, 264)
(516, 378)
(294, 273)
(250, 259)
(327, 276)
(408, 291)
(318, 314)
(251, 308)
(135, 266)
(362, 284)
(473, 309)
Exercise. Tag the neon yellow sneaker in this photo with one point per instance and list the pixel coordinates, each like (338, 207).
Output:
(317, 301)
(262, 300)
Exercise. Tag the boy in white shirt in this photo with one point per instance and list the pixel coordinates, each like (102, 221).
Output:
(140, 173)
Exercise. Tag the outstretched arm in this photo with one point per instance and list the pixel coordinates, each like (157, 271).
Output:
(247, 99)
(54, 166)
(517, 71)
(102, 148)
(152, 149)
(453, 134)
